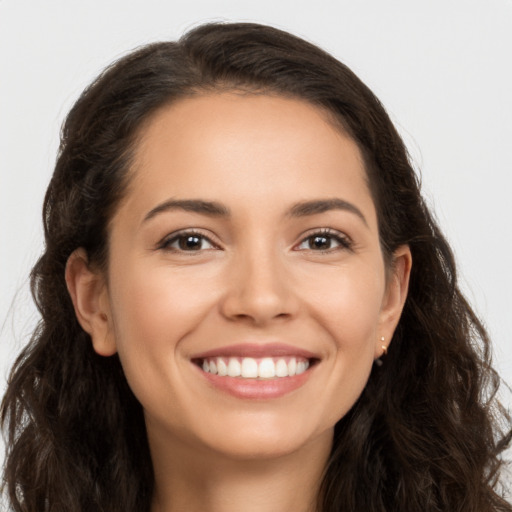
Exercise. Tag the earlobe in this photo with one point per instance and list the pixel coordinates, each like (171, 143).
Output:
(394, 299)
(88, 292)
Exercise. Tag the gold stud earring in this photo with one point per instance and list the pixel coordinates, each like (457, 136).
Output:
(384, 347)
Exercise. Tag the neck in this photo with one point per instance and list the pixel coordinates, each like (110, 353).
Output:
(212, 482)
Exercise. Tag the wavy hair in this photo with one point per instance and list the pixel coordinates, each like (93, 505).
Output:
(426, 433)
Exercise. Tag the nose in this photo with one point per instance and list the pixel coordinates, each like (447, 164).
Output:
(259, 290)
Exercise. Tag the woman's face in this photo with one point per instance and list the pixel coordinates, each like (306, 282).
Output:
(247, 242)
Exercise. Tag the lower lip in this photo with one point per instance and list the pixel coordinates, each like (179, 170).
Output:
(256, 389)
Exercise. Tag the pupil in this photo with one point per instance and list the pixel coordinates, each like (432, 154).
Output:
(190, 242)
(320, 242)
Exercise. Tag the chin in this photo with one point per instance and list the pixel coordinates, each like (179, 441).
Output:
(264, 438)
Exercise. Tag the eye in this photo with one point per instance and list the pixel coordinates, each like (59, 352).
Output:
(324, 241)
(187, 241)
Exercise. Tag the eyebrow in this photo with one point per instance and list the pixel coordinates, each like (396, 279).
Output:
(315, 207)
(215, 209)
(210, 208)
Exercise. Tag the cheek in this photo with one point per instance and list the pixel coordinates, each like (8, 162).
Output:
(348, 304)
(160, 301)
(153, 312)
(347, 308)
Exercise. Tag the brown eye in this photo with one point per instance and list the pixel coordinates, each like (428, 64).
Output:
(325, 241)
(321, 242)
(188, 242)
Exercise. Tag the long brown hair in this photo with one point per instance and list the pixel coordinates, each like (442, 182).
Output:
(426, 433)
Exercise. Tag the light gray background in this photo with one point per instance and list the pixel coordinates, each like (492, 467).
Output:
(442, 68)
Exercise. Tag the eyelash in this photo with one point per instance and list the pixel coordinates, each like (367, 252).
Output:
(344, 242)
(183, 235)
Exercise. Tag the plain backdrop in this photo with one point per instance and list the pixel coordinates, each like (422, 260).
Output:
(443, 70)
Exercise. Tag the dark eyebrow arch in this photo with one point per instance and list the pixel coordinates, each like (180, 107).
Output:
(315, 207)
(210, 208)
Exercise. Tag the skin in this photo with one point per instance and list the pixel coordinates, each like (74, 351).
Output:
(255, 277)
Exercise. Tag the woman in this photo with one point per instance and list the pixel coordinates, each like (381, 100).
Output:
(246, 304)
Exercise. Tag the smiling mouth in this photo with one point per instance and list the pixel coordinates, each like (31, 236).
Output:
(263, 368)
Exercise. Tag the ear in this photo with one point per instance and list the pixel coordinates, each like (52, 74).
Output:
(394, 297)
(88, 290)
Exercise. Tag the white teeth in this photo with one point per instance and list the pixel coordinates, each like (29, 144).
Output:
(249, 368)
(252, 368)
(267, 368)
(292, 366)
(234, 367)
(302, 367)
(222, 368)
(281, 368)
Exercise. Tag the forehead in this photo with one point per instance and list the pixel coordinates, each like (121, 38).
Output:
(245, 146)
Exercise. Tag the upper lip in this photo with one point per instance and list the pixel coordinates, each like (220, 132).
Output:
(257, 350)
